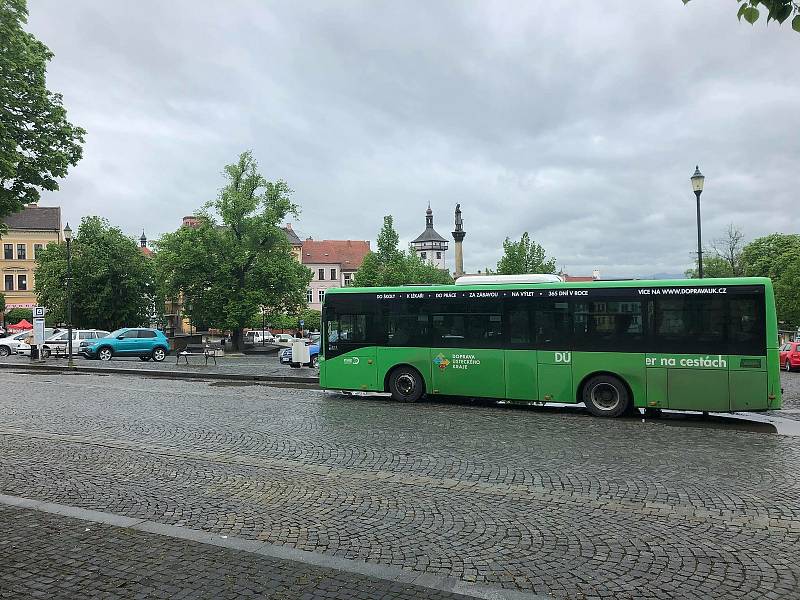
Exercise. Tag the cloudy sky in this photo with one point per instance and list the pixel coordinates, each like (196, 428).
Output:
(580, 122)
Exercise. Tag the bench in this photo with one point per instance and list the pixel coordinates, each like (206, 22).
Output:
(205, 350)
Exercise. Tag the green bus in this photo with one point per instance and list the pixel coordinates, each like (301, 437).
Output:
(699, 345)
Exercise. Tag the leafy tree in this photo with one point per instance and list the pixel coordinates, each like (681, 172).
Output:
(777, 256)
(112, 281)
(713, 266)
(771, 255)
(37, 143)
(391, 266)
(237, 259)
(15, 315)
(311, 320)
(777, 10)
(787, 296)
(524, 256)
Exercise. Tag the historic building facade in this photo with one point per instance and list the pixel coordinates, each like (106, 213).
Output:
(28, 232)
(333, 263)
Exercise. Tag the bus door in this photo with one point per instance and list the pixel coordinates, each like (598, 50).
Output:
(466, 349)
(553, 327)
(350, 359)
(521, 372)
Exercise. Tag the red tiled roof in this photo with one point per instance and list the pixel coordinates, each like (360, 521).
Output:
(347, 253)
(577, 278)
(145, 250)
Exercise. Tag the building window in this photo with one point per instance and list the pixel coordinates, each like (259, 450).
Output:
(438, 256)
(309, 296)
(333, 274)
(9, 283)
(36, 249)
(348, 279)
(423, 255)
(8, 251)
(320, 295)
(22, 282)
(321, 274)
(21, 251)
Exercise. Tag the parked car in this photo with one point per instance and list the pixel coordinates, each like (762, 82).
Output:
(285, 355)
(130, 341)
(789, 356)
(254, 337)
(284, 339)
(55, 341)
(9, 345)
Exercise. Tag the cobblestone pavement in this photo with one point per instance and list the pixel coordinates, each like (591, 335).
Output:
(790, 382)
(547, 500)
(229, 364)
(109, 561)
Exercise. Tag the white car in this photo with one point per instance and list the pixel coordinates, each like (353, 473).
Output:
(284, 339)
(254, 337)
(56, 343)
(9, 345)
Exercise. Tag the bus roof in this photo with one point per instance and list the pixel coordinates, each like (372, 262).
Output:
(631, 283)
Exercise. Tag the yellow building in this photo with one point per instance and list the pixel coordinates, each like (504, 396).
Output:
(28, 232)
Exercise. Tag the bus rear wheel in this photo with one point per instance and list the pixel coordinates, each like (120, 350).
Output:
(605, 396)
(406, 384)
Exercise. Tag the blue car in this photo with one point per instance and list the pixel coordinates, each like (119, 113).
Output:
(130, 341)
(285, 356)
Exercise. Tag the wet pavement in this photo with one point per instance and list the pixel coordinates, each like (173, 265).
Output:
(540, 500)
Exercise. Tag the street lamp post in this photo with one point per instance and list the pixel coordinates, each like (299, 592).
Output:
(697, 186)
(263, 324)
(68, 238)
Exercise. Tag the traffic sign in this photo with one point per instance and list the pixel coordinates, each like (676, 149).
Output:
(38, 312)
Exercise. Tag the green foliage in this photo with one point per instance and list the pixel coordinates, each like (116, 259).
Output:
(524, 256)
(238, 258)
(2, 303)
(390, 266)
(37, 143)
(713, 266)
(311, 320)
(15, 315)
(787, 296)
(777, 256)
(112, 281)
(777, 10)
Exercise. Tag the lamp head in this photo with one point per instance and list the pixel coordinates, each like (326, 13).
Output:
(697, 180)
(67, 233)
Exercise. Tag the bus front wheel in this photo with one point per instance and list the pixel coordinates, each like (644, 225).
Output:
(605, 396)
(406, 384)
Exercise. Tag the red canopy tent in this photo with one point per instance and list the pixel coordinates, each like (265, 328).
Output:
(23, 325)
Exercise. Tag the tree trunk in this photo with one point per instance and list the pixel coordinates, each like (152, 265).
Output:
(237, 340)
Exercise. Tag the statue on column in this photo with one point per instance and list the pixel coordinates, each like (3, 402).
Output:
(459, 220)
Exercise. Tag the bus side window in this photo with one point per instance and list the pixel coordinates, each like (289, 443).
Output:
(519, 326)
(553, 324)
(746, 326)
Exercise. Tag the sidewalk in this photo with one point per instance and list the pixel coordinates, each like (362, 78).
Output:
(231, 367)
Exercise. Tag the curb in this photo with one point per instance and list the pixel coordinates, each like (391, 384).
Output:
(310, 381)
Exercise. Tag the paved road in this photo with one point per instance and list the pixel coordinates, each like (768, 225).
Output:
(540, 500)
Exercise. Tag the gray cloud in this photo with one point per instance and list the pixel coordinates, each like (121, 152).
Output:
(578, 122)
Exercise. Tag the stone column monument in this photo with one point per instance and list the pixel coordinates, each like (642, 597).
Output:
(458, 236)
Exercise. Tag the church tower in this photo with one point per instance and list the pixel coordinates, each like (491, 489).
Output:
(429, 245)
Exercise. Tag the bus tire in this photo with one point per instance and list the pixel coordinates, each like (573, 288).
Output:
(605, 396)
(406, 384)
